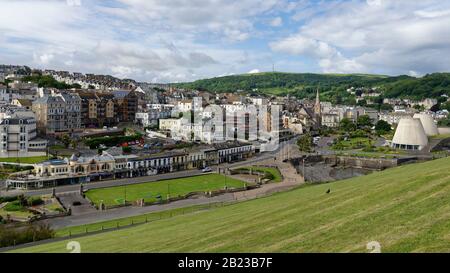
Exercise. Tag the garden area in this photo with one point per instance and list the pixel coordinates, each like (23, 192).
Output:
(361, 135)
(270, 173)
(24, 160)
(160, 190)
(22, 209)
(110, 141)
(7, 169)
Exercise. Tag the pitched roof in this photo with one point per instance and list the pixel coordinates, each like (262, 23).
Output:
(120, 94)
(25, 102)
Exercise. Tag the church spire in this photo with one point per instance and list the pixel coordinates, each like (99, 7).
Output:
(317, 106)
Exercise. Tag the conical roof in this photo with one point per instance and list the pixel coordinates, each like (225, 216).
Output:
(428, 124)
(410, 131)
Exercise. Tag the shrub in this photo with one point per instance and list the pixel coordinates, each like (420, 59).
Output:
(126, 150)
(35, 201)
(269, 176)
(369, 149)
(16, 236)
(8, 199)
(358, 133)
(14, 206)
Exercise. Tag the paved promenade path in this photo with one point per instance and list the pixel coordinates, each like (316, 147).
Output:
(291, 179)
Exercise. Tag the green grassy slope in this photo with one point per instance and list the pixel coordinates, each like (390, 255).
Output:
(406, 209)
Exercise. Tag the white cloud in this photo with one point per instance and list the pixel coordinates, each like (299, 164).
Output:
(176, 40)
(382, 36)
(152, 40)
(276, 22)
(253, 71)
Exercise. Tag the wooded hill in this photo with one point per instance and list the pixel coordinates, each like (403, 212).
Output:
(305, 85)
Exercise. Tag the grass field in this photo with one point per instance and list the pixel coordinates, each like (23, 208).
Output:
(149, 191)
(26, 160)
(405, 209)
(24, 214)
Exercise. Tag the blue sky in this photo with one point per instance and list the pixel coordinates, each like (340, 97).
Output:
(183, 40)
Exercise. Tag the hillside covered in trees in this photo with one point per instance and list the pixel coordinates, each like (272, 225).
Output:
(331, 85)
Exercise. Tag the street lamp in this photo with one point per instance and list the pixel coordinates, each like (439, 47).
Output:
(168, 191)
(225, 173)
(125, 200)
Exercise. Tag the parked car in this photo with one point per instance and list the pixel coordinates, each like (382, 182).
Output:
(207, 170)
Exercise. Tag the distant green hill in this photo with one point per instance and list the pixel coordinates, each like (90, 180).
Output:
(405, 209)
(331, 85)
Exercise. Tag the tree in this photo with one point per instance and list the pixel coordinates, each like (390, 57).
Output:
(305, 143)
(364, 121)
(66, 140)
(435, 108)
(347, 125)
(362, 103)
(74, 143)
(382, 127)
(126, 150)
(444, 122)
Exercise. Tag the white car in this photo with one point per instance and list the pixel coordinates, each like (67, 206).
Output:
(207, 170)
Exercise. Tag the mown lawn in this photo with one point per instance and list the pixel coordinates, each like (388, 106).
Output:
(23, 214)
(25, 160)
(151, 190)
(405, 209)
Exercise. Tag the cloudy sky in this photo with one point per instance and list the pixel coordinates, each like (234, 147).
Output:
(183, 40)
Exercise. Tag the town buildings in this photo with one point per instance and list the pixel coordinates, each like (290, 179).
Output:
(51, 115)
(79, 169)
(126, 103)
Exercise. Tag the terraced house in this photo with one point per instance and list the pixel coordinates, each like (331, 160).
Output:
(126, 103)
(58, 114)
(97, 109)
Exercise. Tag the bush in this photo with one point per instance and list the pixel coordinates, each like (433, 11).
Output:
(35, 201)
(269, 176)
(126, 150)
(369, 149)
(31, 233)
(358, 133)
(8, 199)
(14, 206)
